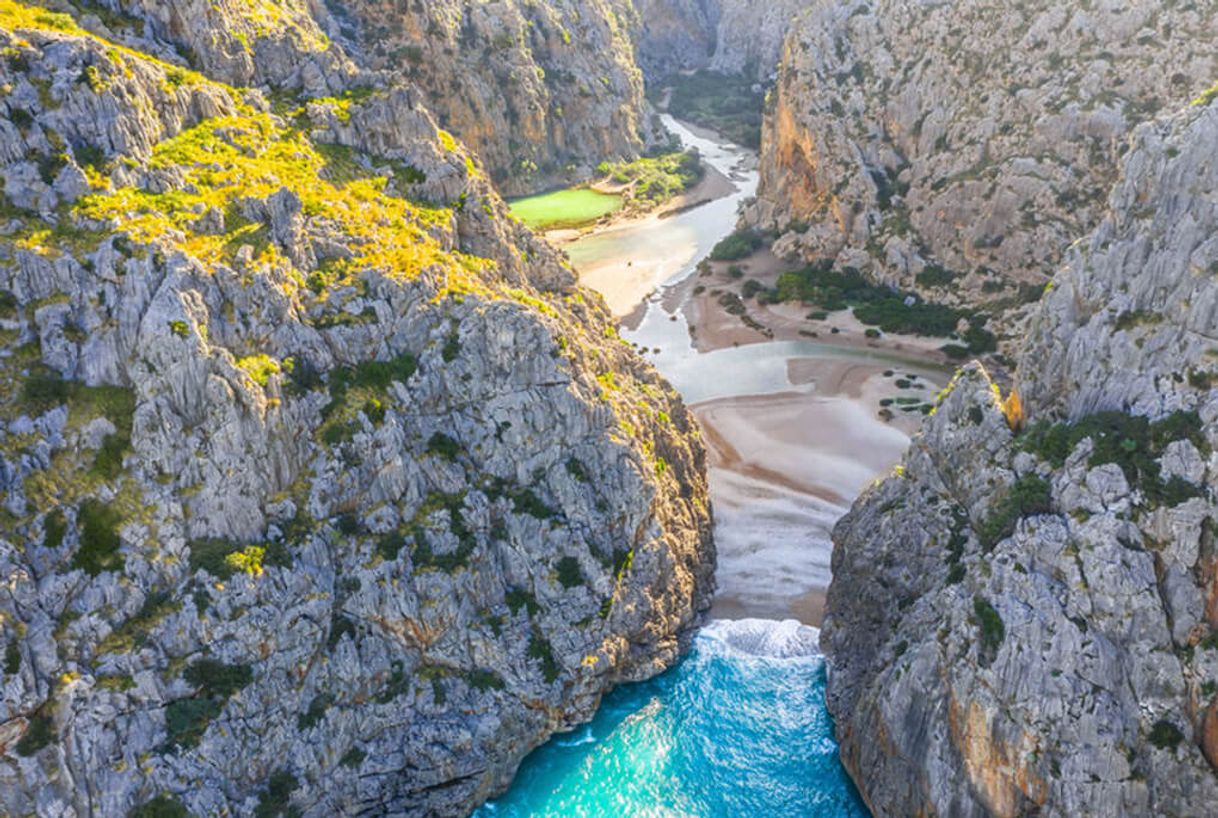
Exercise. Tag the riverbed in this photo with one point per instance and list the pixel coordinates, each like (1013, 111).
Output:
(796, 427)
(791, 424)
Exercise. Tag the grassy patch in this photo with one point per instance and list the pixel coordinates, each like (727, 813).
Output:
(565, 208)
(132, 634)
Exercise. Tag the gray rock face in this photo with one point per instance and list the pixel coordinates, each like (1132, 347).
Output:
(253, 42)
(728, 36)
(323, 484)
(983, 140)
(751, 35)
(542, 92)
(1027, 623)
(676, 35)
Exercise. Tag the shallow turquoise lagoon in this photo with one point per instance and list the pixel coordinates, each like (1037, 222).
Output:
(737, 729)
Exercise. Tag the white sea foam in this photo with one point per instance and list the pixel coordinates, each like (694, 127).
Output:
(770, 638)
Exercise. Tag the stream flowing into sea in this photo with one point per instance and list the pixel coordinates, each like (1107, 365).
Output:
(739, 727)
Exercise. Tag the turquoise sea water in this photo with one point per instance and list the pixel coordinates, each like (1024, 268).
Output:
(739, 728)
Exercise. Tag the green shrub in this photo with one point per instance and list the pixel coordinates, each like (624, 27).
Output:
(540, 649)
(518, 599)
(316, 712)
(577, 470)
(186, 720)
(569, 573)
(736, 246)
(116, 684)
(20, 117)
(108, 462)
(99, 538)
(452, 347)
(12, 657)
(215, 678)
(935, 276)
(726, 104)
(484, 680)
(54, 527)
(353, 758)
(163, 806)
(276, 800)
(375, 375)
(222, 558)
(39, 733)
(1165, 735)
(43, 390)
(1030, 495)
(444, 446)
(993, 631)
(133, 633)
(8, 304)
(1131, 442)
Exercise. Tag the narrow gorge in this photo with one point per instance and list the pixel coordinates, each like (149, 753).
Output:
(608, 407)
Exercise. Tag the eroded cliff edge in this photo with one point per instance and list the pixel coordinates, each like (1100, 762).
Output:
(1026, 622)
(325, 488)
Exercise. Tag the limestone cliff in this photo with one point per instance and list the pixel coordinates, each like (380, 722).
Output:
(726, 36)
(1027, 622)
(676, 35)
(750, 35)
(542, 92)
(325, 490)
(976, 138)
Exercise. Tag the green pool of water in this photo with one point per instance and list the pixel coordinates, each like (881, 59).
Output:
(565, 208)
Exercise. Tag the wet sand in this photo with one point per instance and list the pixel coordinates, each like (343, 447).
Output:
(783, 469)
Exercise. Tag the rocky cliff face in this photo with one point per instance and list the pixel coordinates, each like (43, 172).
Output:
(325, 490)
(728, 36)
(542, 92)
(977, 139)
(751, 34)
(1028, 623)
(676, 35)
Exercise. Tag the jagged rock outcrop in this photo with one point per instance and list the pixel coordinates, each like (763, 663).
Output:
(542, 92)
(277, 43)
(978, 139)
(728, 36)
(751, 35)
(1028, 623)
(325, 490)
